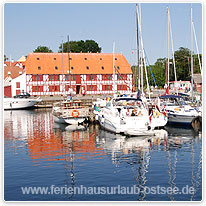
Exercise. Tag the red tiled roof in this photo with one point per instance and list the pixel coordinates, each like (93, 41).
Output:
(78, 61)
(13, 69)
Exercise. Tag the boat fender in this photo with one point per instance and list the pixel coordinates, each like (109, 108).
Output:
(164, 111)
(150, 117)
(75, 113)
(102, 119)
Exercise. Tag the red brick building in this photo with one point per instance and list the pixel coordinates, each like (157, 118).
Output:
(91, 73)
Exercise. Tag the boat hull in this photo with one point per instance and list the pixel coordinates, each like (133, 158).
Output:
(127, 126)
(137, 132)
(109, 126)
(159, 122)
(180, 119)
(69, 120)
(11, 104)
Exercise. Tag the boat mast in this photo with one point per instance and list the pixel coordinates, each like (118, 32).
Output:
(140, 73)
(142, 59)
(113, 67)
(173, 56)
(168, 47)
(68, 49)
(191, 56)
(62, 69)
(138, 69)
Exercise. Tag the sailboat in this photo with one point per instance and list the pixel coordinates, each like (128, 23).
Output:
(179, 112)
(158, 118)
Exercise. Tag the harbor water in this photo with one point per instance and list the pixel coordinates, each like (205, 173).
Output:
(91, 164)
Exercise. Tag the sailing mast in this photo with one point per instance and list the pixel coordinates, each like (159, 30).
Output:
(191, 56)
(168, 47)
(113, 67)
(142, 59)
(140, 62)
(68, 49)
(173, 56)
(138, 68)
(62, 69)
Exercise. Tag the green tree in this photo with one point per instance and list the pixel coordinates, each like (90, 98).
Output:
(5, 58)
(196, 66)
(81, 46)
(42, 49)
(182, 64)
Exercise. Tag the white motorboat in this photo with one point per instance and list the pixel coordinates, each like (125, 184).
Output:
(125, 115)
(158, 117)
(70, 112)
(178, 111)
(19, 103)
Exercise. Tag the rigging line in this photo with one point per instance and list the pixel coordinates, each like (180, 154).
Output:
(150, 67)
(197, 47)
(143, 55)
(172, 48)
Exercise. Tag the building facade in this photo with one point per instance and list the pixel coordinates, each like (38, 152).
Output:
(14, 77)
(198, 82)
(180, 85)
(83, 73)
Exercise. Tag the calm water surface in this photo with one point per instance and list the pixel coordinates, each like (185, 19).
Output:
(40, 153)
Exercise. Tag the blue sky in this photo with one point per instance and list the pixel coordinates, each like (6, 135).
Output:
(28, 25)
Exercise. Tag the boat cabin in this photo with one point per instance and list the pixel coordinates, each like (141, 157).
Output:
(72, 104)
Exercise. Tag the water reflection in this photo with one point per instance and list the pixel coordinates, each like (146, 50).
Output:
(136, 152)
(46, 140)
(48, 144)
(131, 151)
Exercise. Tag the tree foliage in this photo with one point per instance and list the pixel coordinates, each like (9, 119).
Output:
(81, 46)
(5, 58)
(182, 64)
(42, 49)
